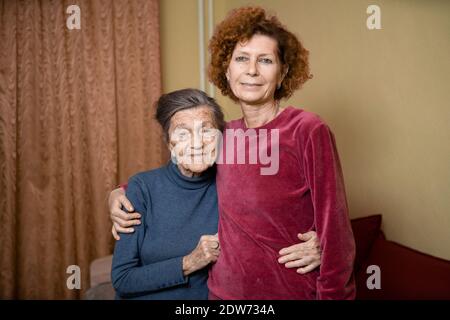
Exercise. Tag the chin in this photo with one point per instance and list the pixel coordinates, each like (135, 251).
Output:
(250, 98)
(198, 168)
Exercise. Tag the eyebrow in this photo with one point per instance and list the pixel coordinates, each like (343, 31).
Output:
(262, 54)
(182, 126)
(185, 126)
(208, 123)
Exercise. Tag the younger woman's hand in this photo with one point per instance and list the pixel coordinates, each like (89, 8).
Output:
(304, 256)
(122, 220)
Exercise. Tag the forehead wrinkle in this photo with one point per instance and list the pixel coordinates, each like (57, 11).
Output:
(201, 114)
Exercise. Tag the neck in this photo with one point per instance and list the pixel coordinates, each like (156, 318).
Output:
(258, 115)
(188, 173)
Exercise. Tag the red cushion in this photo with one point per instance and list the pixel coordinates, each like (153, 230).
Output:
(365, 230)
(405, 274)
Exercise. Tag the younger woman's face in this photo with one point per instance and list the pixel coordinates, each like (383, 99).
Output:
(255, 70)
(193, 139)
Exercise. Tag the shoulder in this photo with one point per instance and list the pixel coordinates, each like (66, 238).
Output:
(307, 127)
(305, 122)
(234, 124)
(145, 179)
(140, 187)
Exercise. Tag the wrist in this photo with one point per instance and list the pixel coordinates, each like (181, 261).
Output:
(187, 267)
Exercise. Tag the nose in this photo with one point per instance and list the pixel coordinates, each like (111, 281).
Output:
(197, 141)
(252, 69)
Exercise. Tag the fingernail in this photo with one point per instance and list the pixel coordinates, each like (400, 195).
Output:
(131, 230)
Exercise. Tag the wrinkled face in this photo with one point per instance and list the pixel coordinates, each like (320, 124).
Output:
(255, 71)
(193, 139)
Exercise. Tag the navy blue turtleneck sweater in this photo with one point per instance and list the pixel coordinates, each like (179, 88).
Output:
(176, 211)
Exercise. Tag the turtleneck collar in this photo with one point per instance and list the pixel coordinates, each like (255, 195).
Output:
(184, 182)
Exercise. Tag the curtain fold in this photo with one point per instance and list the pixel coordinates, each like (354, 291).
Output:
(76, 119)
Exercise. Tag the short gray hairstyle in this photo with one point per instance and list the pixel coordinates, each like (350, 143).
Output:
(170, 103)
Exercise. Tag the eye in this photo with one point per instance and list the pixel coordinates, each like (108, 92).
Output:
(181, 134)
(241, 58)
(266, 60)
(208, 132)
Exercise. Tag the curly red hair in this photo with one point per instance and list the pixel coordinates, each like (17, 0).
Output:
(240, 25)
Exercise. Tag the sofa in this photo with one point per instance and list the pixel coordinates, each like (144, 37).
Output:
(404, 273)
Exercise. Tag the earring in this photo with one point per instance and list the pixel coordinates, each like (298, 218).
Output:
(279, 86)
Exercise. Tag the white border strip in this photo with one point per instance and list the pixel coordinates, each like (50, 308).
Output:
(201, 43)
(210, 32)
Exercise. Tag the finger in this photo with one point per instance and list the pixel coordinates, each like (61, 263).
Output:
(114, 233)
(134, 215)
(306, 236)
(126, 203)
(291, 249)
(209, 253)
(209, 238)
(299, 263)
(308, 268)
(116, 212)
(290, 257)
(119, 229)
(126, 223)
(215, 252)
(210, 256)
(211, 245)
(312, 242)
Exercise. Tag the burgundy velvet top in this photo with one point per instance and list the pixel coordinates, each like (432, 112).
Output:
(261, 214)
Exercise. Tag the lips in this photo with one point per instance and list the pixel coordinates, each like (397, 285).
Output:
(251, 84)
(196, 154)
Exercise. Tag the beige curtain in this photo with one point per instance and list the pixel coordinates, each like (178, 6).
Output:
(75, 120)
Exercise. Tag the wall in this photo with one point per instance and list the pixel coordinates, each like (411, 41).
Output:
(179, 44)
(383, 92)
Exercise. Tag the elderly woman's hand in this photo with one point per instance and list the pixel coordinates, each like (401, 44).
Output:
(207, 251)
(305, 256)
(122, 221)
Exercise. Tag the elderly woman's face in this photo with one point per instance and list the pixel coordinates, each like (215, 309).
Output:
(254, 71)
(193, 139)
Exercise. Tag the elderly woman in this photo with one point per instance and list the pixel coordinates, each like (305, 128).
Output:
(257, 62)
(167, 256)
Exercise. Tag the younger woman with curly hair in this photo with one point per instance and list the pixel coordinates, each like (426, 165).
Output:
(257, 62)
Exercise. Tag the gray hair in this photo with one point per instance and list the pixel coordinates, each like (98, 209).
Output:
(170, 103)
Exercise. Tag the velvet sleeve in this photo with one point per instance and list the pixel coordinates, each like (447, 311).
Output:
(124, 186)
(129, 276)
(324, 176)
